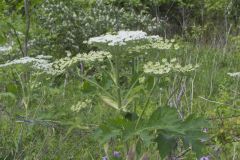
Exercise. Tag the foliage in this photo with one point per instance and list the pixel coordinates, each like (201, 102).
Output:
(119, 79)
(162, 127)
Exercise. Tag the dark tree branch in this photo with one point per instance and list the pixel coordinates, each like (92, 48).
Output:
(18, 39)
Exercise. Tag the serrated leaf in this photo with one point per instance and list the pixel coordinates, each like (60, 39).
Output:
(146, 138)
(104, 134)
(164, 124)
(166, 119)
(166, 144)
(111, 129)
(193, 128)
(197, 147)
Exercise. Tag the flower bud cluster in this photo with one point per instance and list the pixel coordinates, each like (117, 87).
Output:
(235, 74)
(43, 63)
(81, 105)
(164, 67)
(62, 64)
(38, 62)
(158, 44)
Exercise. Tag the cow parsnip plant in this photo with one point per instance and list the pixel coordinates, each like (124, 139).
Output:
(161, 130)
(138, 118)
(126, 95)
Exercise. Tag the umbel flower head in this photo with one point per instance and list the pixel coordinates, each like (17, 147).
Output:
(155, 44)
(62, 64)
(40, 62)
(235, 74)
(81, 105)
(121, 38)
(43, 64)
(164, 67)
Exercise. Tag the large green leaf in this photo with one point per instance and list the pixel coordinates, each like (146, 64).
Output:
(111, 129)
(166, 144)
(193, 128)
(165, 119)
(164, 124)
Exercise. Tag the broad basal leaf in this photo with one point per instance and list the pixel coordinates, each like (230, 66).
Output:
(166, 144)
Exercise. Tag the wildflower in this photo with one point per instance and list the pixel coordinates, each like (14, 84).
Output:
(104, 158)
(68, 53)
(5, 48)
(141, 79)
(38, 62)
(164, 60)
(156, 44)
(235, 74)
(59, 66)
(116, 154)
(81, 105)
(205, 130)
(121, 38)
(176, 46)
(202, 140)
(173, 60)
(93, 56)
(164, 67)
(205, 158)
(43, 57)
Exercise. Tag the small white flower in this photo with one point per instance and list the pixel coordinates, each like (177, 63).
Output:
(159, 69)
(81, 105)
(176, 46)
(164, 60)
(68, 53)
(235, 74)
(5, 48)
(173, 60)
(121, 38)
(141, 80)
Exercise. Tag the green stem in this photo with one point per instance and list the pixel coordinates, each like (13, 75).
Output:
(146, 104)
(117, 72)
(131, 88)
(95, 84)
(25, 97)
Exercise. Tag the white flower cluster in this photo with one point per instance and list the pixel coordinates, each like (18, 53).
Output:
(93, 56)
(62, 64)
(26, 60)
(121, 38)
(141, 80)
(81, 105)
(159, 44)
(42, 62)
(5, 48)
(44, 57)
(235, 74)
(165, 67)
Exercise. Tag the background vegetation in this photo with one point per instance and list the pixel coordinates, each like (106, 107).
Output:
(110, 108)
